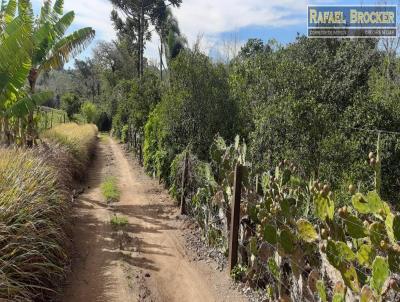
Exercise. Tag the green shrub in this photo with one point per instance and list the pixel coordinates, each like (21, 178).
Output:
(110, 190)
(199, 175)
(89, 112)
(156, 157)
(238, 272)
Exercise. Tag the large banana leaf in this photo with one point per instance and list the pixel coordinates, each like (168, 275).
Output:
(52, 49)
(68, 47)
(8, 11)
(15, 50)
(62, 25)
(58, 7)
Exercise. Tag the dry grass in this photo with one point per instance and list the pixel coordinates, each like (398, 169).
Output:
(34, 212)
(77, 140)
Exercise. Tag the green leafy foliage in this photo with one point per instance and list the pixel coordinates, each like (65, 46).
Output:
(89, 112)
(270, 234)
(321, 291)
(366, 255)
(71, 104)
(355, 227)
(194, 109)
(29, 47)
(324, 207)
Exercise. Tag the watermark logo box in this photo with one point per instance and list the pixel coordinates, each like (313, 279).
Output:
(352, 21)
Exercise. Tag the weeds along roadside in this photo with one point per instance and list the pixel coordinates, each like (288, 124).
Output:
(34, 210)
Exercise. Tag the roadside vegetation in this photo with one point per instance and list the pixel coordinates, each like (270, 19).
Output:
(315, 108)
(34, 216)
(314, 123)
(38, 167)
(29, 47)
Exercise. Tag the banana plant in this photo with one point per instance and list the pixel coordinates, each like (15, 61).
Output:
(52, 49)
(15, 55)
(29, 47)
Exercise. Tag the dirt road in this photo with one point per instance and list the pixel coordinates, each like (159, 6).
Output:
(148, 261)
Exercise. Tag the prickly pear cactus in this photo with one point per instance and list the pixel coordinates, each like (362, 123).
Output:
(360, 241)
(293, 231)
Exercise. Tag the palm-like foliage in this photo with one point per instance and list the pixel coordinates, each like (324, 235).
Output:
(52, 49)
(29, 47)
(15, 52)
(15, 49)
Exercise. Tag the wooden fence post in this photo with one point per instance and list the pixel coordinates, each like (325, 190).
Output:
(184, 176)
(140, 153)
(235, 218)
(140, 150)
(46, 120)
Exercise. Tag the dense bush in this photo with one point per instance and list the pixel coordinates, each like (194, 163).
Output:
(71, 104)
(192, 111)
(34, 210)
(310, 101)
(136, 99)
(199, 174)
(89, 112)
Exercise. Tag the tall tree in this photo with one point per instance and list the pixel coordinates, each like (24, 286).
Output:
(88, 77)
(138, 16)
(171, 39)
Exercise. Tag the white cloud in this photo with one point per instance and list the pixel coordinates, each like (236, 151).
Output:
(93, 13)
(211, 17)
(207, 17)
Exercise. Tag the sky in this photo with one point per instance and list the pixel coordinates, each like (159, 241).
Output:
(223, 26)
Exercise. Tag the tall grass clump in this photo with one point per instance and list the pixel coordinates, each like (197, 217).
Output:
(77, 140)
(34, 207)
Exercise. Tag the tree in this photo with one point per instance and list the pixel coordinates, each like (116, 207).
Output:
(254, 47)
(171, 39)
(51, 48)
(71, 104)
(194, 109)
(88, 77)
(138, 15)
